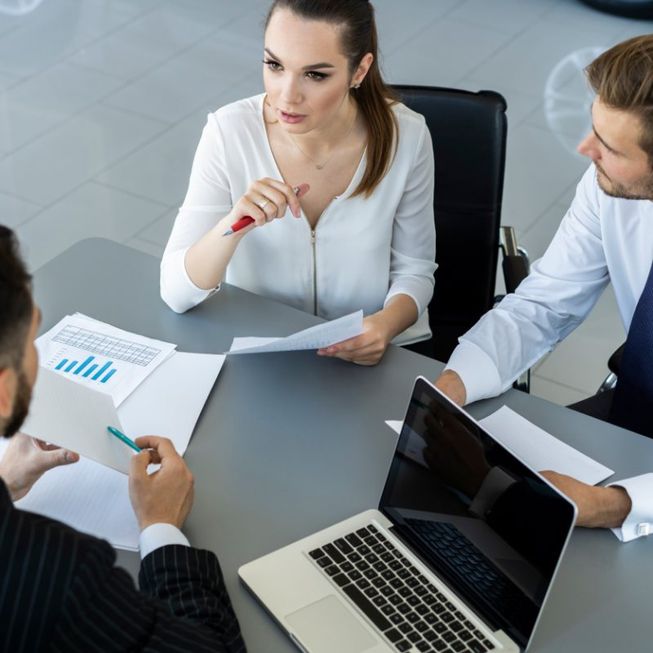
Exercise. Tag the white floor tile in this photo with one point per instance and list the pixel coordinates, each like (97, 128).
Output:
(441, 55)
(536, 238)
(14, 211)
(527, 62)
(555, 392)
(57, 29)
(396, 24)
(142, 44)
(158, 232)
(47, 99)
(538, 169)
(161, 169)
(509, 16)
(72, 153)
(92, 210)
(199, 76)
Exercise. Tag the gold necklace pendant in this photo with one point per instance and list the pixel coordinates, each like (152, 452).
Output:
(321, 166)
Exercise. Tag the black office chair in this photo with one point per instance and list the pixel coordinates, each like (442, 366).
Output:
(469, 142)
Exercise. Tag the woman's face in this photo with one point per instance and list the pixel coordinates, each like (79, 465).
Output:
(306, 76)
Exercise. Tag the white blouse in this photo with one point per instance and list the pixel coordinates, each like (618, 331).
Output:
(362, 252)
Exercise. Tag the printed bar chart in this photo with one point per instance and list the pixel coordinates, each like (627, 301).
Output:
(100, 371)
(90, 359)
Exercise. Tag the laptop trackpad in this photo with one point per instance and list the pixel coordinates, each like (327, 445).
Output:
(327, 626)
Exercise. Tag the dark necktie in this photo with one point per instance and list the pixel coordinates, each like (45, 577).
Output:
(632, 406)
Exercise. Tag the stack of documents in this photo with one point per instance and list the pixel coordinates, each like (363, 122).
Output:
(92, 376)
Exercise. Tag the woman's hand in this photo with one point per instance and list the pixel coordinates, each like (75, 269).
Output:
(265, 200)
(367, 348)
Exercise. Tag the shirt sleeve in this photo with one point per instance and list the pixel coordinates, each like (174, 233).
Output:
(208, 199)
(412, 255)
(639, 521)
(157, 535)
(548, 305)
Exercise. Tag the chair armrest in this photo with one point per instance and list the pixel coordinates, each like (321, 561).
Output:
(515, 264)
(614, 362)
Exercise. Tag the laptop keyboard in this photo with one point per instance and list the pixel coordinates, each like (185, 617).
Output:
(411, 612)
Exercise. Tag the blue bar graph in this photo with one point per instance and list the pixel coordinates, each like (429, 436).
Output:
(89, 371)
(91, 368)
(102, 370)
(108, 376)
(84, 364)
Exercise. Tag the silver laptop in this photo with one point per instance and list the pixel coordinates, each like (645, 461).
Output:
(459, 556)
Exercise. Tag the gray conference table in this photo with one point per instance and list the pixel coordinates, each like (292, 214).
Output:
(290, 443)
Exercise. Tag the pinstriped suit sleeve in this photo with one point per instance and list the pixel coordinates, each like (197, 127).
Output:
(60, 591)
(184, 608)
(190, 583)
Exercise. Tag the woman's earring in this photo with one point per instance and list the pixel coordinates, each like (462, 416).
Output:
(356, 86)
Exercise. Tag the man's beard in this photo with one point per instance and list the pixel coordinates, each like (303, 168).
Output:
(21, 406)
(642, 190)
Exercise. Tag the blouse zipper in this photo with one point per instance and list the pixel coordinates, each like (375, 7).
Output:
(314, 272)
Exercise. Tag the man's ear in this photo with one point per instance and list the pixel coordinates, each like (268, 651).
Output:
(8, 381)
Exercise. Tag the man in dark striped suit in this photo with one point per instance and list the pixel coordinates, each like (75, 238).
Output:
(59, 589)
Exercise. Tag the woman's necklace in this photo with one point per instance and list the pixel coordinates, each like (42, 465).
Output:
(320, 166)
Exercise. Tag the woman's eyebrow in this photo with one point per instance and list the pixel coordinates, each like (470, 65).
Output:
(322, 64)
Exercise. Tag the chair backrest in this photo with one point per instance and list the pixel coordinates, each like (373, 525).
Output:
(469, 143)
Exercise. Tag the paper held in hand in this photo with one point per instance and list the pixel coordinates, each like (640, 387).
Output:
(315, 337)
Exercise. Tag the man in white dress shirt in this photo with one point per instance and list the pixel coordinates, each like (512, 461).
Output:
(606, 236)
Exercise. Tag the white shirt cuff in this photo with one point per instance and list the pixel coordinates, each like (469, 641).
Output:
(157, 535)
(477, 371)
(177, 288)
(639, 521)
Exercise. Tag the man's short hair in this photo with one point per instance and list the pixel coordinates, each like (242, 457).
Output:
(623, 78)
(16, 304)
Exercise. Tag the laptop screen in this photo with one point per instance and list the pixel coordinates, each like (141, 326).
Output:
(483, 521)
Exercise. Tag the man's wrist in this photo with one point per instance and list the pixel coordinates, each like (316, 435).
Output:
(450, 383)
(609, 508)
(617, 506)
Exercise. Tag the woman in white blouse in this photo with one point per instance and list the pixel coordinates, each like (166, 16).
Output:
(337, 175)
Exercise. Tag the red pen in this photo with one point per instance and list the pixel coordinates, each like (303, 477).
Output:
(246, 220)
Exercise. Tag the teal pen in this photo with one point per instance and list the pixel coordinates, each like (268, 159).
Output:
(124, 438)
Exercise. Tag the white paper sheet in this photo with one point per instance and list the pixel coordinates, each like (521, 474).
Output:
(94, 498)
(316, 337)
(90, 497)
(537, 448)
(170, 400)
(76, 417)
(540, 450)
(98, 355)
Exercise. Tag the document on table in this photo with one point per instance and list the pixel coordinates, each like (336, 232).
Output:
(316, 337)
(535, 447)
(94, 498)
(88, 496)
(540, 450)
(98, 355)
